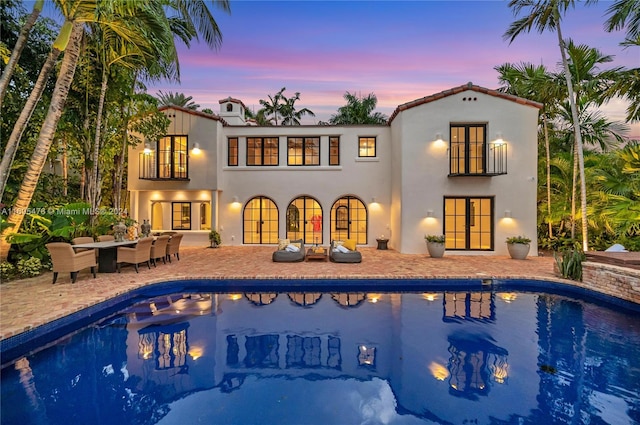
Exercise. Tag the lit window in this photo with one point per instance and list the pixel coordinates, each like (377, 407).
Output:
(367, 147)
(334, 151)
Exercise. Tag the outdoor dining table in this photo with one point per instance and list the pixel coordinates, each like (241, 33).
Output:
(107, 253)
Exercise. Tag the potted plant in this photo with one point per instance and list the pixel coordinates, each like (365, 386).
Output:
(518, 247)
(214, 238)
(435, 245)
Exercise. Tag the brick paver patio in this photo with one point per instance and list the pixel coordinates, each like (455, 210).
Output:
(28, 303)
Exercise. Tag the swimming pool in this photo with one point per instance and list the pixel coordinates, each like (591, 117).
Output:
(318, 353)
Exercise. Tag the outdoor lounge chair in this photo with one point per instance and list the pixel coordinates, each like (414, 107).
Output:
(141, 253)
(159, 249)
(173, 247)
(343, 257)
(284, 256)
(65, 259)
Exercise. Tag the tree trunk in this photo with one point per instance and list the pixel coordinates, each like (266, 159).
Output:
(574, 176)
(17, 49)
(23, 119)
(95, 187)
(548, 154)
(578, 136)
(45, 139)
(117, 189)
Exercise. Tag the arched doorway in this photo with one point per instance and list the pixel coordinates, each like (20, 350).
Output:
(156, 216)
(304, 220)
(260, 221)
(349, 220)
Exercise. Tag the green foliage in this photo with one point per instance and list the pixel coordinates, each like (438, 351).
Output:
(214, 237)
(434, 238)
(7, 271)
(29, 267)
(570, 263)
(519, 239)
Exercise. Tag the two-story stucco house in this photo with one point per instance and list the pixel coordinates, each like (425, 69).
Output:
(462, 162)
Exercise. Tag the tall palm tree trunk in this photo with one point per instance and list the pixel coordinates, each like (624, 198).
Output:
(548, 155)
(45, 139)
(23, 119)
(17, 49)
(94, 194)
(578, 135)
(117, 188)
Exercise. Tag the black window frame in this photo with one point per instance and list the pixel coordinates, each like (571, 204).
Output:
(262, 151)
(375, 146)
(304, 140)
(171, 165)
(232, 152)
(455, 159)
(173, 220)
(470, 221)
(335, 157)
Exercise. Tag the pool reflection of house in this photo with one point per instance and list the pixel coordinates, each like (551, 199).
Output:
(316, 337)
(462, 162)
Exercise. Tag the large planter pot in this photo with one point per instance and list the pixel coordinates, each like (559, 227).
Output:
(436, 249)
(518, 251)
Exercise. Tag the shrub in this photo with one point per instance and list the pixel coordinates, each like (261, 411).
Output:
(434, 238)
(570, 264)
(7, 270)
(214, 237)
(29, 267)
(519, 239)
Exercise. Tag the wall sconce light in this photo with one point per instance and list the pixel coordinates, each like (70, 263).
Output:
(373, 200)
(147, 149)
(507, 214)
(439, 138)
(235, 199)
(196, 149)
(499, 140)
(429, 213)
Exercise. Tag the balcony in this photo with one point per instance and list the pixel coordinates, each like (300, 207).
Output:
(148, 168)
(488, 163)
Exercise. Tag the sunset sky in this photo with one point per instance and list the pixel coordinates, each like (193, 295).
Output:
(400, 51)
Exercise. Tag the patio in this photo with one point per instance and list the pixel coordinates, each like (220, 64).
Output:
(28, 303)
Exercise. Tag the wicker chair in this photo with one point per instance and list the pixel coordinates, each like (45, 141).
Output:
(141, 253)
(159, 249)
(65, 259)
(106, 238)
(173, 247)
(83, 239)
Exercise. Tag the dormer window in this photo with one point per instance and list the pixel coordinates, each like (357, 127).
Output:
(229, 107)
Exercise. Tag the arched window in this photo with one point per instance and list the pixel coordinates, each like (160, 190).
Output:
(260, 221)
(304, 220)
(349, 220)
(229, 107)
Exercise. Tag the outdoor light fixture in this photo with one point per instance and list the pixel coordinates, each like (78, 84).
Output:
(499, 140)
(147, 149)
(373, 200)
(235, 199)
(196, 148)
(507, 214)
(429, 213)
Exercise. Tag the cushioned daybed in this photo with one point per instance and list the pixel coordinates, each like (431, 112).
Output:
(284, 256)
(353, 256)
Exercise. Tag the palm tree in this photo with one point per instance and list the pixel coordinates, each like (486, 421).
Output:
(289, 114)
(358, 110)
(536, 83)
(17, 49)
(625, 14)
(177, 99)
(273, 106)
(547, 15)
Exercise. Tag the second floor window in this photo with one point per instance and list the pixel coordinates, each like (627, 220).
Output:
(303, 151)
(467, 149)
(262, 151)
(334, 151)
(367, 147)
(172, 157)
(232, 151)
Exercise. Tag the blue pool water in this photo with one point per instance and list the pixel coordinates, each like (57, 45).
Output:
(452, 354)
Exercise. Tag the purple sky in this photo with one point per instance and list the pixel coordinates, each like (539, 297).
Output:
(400, 51)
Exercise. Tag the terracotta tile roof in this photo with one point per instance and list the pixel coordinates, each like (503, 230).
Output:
(460, 89)
(233, 100)
(192, 112)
